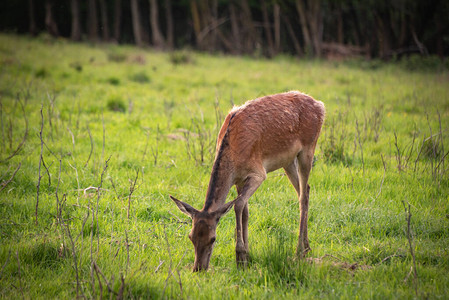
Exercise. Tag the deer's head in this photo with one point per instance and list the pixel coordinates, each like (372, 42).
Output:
(203, 233)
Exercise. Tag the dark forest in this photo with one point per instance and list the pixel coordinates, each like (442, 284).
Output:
(321, 28)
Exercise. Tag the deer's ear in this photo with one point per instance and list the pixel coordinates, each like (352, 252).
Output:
(225, 208)
(184, 207)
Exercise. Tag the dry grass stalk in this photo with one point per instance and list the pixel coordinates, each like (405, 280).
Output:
(5, 183)
(40, 163)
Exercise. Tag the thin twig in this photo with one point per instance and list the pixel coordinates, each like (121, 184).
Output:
(127, 251)
(399, 154)
(6, 263)
(95, 221)
(49, 150)
(419, 154)
(104, 137)
(108, 285)
(147, 133)
(91, 252)
(51, 99)
(84, 222)
(78, 116)
(77, 181)
(113, 186)
(75, 261)
(178, 220)
(442, 160)
(170, 266)
(433, 146)
(159, 266)
(330, 255)
(3, 175)
(408, 218)
(58, 209)
(4, 184)
(360, 144)
(407, 159)
(441, 139)
(73, 137)
(48, 172)
(98, 200)
(408, 275)
(122, 288)
(155, 150)
(3, 127)
(352, 180)
(389, 257)
(19, 273)
(383, 177)
(91, 145)
(40, 163)
(131, 191)
(99, 280)
(179, 274)
(25, 136)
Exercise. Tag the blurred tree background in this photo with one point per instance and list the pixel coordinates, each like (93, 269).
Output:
(314, 28)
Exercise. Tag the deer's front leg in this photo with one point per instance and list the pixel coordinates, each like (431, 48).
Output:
(241, 246)
(241, 217)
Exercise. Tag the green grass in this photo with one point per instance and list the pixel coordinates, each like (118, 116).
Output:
(158, 115)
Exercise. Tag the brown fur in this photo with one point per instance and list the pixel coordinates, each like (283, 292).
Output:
(263, 135)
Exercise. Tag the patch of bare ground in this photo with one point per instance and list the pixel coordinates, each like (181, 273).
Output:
(337, 262)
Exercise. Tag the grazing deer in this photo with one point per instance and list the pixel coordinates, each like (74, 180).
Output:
(263, 135)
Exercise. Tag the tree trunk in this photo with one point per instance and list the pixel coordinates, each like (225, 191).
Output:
(92, 21)
(357, 29)
(439, 36)
(292, 34)
(316, 25)
(158, 39)
(32, 28)
(235, 27)
(382, 36)
(267, 27)
(304, 28)
(205, 23)
(226, 43)
(137, 27)
(212, 20)
(169, 19)
(117, 19)
(76, 24)
(50, 23)
(277, 27)
(196, 20)
(251, 39)
(340, 34)
(311, 24)
(104, 20)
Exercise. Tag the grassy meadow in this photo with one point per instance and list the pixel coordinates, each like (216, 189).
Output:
(95, 138)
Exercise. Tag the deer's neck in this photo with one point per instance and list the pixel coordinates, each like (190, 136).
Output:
(221, 181)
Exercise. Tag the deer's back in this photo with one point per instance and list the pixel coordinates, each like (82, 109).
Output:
(272, 130)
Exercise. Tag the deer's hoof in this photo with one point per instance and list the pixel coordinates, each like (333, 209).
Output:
(242, 258)
(302, 250)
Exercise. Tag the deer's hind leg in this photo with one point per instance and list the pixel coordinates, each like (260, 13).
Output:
(305, 159)
(298, 174)
(293, 174)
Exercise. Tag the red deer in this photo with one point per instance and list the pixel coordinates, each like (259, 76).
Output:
(263, 135)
